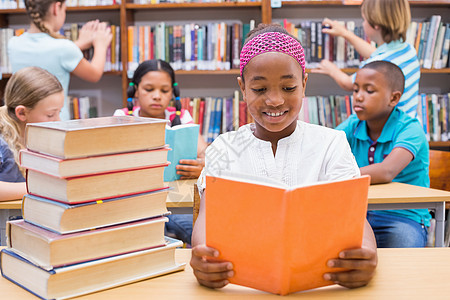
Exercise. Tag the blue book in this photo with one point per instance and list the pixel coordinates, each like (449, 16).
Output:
(182, 141)
(217, 118)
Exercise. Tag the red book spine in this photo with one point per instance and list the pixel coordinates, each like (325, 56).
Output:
(201, 112)
(242, 113)
(348, 106)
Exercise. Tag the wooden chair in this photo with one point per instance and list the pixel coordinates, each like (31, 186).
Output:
(440, 170)
(440, 179)
(196, 207)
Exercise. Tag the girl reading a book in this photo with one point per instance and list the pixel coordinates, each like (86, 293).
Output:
(385, 23)
(43, 46)
(153, 86)
(31, 95)
(272, 81)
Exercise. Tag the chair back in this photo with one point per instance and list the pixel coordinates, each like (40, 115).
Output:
(440, 170)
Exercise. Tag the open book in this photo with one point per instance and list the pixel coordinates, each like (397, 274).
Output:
(182, 140)
(279, 238)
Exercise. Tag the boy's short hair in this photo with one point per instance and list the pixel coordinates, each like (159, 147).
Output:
(393, 74)
(392, 16)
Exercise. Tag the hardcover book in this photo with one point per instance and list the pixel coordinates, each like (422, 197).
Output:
(64, 218)
(91, 276)
(183, 141)
(97, 186)
(95, 136)
(50, 250)
(91, 165)
(285, 235)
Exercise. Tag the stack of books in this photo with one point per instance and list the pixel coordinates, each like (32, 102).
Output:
(95, 210)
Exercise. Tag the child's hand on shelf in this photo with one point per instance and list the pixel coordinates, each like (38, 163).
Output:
(103, 36)
(208, 270)
(86, 34)
(361, 264)
(326, 67)
(333, 27)
(190, 168)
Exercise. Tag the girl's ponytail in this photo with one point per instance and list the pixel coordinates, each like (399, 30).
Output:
(176, 93)
(36, 10)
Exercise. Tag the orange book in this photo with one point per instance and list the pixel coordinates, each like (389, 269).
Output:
(279, 238)
(130, 42)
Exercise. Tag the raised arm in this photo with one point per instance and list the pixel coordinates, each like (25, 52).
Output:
(337, 29)
(87, 34)
(326, 67)
(391, 166)
(93, 71)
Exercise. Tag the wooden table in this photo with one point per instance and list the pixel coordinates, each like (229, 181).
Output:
(397, 195)
(409, 273)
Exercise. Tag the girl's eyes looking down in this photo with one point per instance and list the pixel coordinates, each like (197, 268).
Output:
(286, 89)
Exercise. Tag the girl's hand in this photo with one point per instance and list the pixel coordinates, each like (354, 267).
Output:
(333, 27)
(190, 168)
(361, 264)
(86, 35)
(326, 67)
(103, 36)
(208, 270)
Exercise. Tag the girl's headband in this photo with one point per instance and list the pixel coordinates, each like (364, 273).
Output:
(272, 42)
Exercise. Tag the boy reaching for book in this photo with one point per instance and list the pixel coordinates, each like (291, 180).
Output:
(277, 145)
(153, 86)
(389, 146)
(385, 23)
(42, 46)
(31, 95)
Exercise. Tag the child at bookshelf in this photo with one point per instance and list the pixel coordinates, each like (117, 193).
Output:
(389, 146)
(153, 86)
(277, 145)
(42, 46)
(31, 95)
(385, 23)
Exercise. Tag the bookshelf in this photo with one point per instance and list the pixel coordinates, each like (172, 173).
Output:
(223, 82)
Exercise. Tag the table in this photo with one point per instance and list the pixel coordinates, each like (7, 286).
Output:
(408, 273)
(397, 195)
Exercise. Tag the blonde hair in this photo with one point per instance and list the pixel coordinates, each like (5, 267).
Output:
(392, 16)
(37, 11)
(26, 87)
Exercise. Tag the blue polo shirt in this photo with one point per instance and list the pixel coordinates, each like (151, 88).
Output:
(402, 131)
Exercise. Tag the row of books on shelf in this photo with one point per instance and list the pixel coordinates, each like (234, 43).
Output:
(74, 3)
(431, 39)
(113, 60)
(193, 46)
(95, 210)
(434, 114)
(217, 115)
(188, 1)
(14, 4)
(70, 31)
(319, 46)
(83, 107)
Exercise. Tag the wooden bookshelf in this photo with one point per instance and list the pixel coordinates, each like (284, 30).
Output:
(194, 5)
(263, 11)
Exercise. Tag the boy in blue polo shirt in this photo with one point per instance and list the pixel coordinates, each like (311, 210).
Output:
(389, 146)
